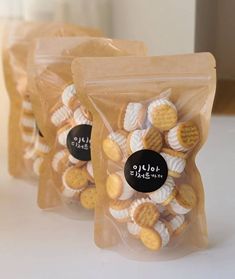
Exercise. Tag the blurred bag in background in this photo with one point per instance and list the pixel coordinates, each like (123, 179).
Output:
(66, 180)
(26, 144)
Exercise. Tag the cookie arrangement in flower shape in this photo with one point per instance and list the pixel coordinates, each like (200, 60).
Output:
(34, 144)
(75, 176)
(155, 218)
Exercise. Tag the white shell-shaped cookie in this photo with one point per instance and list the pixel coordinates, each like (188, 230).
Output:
(41, 147)
(37, 165)
(27, 105)
(163, 193)
(133, 229)
(60, 115)
(177, 208)
(172, 140)
(68, 93)
(120, 215)
(57, 158)
(177, 221)
(175, 164)
(136, 140)
(134, 116)
(62, 137)
(161, 228)
(127, 191)
(28, 122)
(80, 118)
(28, 138)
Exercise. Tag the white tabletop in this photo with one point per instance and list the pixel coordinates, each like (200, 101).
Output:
(36, 244)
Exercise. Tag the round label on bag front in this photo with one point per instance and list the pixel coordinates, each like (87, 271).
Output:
(145, 171)
(78, 142)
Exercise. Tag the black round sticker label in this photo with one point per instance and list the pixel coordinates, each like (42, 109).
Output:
(78, 142)
(146, 171)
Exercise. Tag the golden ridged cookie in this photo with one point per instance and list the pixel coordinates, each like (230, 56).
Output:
(75, 178)
(162, 114)
(188, 134)
(151, 239)
(88, 197)
(144, 212)
(153, 139)
(184, 136)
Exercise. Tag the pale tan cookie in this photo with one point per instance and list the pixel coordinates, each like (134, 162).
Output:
(88, 197)
(162, 114)
(175, 161)
(144, 212)
(131, 117)
(184, 201)
(156, 238)
(117, 187)
(119, 209)
(74, 180)
(183, 137)
(115, 146)
(151, 239)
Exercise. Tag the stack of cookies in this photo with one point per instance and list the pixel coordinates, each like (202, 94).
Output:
(75, 176)
(35, 146)
(156, 218)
